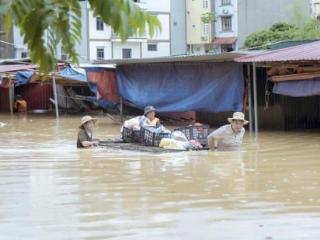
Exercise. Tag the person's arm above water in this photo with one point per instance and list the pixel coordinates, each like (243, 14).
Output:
(88, 143)
(84, 141)
(214, 138)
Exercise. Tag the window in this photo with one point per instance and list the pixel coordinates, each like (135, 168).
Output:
(63, 54)
(152, 47)
(100, 53)
(99, 23)
(126, 53)
(205, 4)
(225, 2)
(205, 30)
(226, 48)
(226, 23)
(24, 54)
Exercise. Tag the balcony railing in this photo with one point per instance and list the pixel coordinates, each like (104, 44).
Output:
(132, 36)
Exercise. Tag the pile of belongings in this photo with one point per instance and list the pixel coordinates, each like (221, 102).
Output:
(179, 141)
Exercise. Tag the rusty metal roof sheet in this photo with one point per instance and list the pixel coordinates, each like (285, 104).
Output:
(304, 52)
(16, 67)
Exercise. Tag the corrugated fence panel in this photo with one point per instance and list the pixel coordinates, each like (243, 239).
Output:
(37, 95)
(4, 100)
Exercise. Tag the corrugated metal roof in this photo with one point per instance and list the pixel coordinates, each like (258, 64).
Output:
(226, 40)
(230, 56)
(304, 52)
(14, 68)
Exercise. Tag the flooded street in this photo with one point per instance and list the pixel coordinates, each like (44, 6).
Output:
(51, 190)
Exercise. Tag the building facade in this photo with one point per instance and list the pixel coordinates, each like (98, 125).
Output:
(199, 31)
(226, 25)
(98, 41)
(178, 28)
(315, 8)
(234, 20)
(105, 44)
(256, 15)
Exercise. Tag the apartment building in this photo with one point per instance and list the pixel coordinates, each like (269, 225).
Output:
(199, 31)
(234, 20)
(99, 41)
(226, 25)
(105, 44)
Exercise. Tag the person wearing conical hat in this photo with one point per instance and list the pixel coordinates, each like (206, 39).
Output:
(85, 134)
(149, 119)
(229, 137)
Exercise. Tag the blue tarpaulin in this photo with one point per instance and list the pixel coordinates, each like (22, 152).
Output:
(178, 87)
(23, 77)
(300, 88)
(72, 74)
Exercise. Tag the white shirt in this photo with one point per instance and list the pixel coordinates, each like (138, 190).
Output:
(227, 139)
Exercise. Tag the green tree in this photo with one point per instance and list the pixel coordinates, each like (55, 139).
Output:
(277, 32)
(208, 17)
(60, 21)
(301, 27)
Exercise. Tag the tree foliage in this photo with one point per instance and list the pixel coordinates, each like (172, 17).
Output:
(278, 32)
(301, 27)
(44, 24)
(208, 17)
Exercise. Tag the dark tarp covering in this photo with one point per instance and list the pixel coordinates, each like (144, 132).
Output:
(23, 77)
(300, 88)
(101, 102)
(178, 87)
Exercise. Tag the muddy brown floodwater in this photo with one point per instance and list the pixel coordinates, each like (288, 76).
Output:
(51, 190)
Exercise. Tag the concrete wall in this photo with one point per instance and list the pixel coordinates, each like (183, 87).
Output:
(194, 10)
(165, 28)
(255, 15)
(156, 5)
(83, 47)
(134, 46)
(163, 50)
(93, 45)
(6, 50)
(315, 8)
(138, 45)
(178, 27)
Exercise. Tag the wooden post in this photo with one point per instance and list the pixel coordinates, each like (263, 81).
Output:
(255, 99)
(11, 96)
(121, 109)
(55, 96)
(249, 99)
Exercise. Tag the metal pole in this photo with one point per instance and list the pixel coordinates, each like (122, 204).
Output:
(11, 96)
(255, 99)
(55, 96)
(121, 109)
(249, 99)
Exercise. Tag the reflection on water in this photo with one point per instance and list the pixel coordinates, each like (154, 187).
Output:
(51, 190)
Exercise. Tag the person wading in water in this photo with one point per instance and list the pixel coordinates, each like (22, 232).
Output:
(229, 137)
(85, 139)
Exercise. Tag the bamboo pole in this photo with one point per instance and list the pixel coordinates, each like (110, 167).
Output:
(11, 96)
(121, 109)
(249, 99)
(255, 100)
(55, 96)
